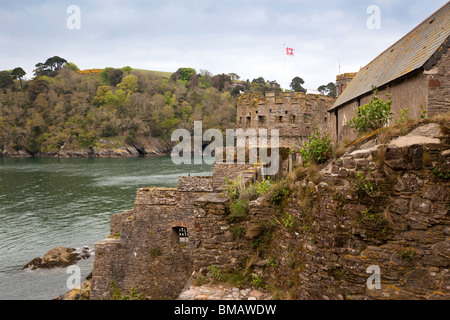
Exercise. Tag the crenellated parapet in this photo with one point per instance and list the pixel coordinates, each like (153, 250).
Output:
(294, 114)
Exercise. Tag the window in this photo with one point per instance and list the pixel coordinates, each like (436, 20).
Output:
(306, 118)
(262, 119)
(292, 119)
(180, 235)
(248, 120)
(279, 119)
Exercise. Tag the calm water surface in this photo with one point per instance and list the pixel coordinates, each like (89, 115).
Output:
(45, 203)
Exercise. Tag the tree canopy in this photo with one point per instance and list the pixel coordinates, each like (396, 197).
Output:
(296, 85)
(329, 89)
(50, 66)
(6, 79)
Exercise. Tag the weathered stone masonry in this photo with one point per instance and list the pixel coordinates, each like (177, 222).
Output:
(294, 114)
(146, 250)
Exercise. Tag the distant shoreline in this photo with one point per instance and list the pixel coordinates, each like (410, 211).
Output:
(122, 152)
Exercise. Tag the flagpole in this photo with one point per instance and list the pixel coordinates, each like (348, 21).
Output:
(284, 69)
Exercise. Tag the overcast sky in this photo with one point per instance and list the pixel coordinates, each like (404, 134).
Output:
(222, 36)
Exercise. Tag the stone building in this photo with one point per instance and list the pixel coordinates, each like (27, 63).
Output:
(150, 247)
(342, 81)
(294, 114)
(154, 247)
(415, 70)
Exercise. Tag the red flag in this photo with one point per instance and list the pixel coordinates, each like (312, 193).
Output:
(290, 51)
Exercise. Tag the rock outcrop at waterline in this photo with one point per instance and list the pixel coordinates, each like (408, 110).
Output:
(105, 149)
(58, 257)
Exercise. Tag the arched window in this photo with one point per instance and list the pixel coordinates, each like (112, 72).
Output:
(181, 234)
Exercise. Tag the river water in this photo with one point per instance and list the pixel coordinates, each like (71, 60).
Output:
(46, 203)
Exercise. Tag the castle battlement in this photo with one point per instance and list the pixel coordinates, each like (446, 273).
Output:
(294, 114)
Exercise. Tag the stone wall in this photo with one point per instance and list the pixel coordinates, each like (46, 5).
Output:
(218, 243)
(438, 81)
(378, 206)
(294, 114)
(145, 251)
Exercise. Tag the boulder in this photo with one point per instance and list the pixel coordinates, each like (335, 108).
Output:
(58, 257)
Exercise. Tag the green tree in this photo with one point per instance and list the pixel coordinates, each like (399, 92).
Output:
(55, 63)
(104, 75)
(6, 79)
(234, 76)
(50, 67)
(72, 66)
(129, 84)
(329, 89)
(41, 69)
(115, 77)
(259, 81)
(127, 69)
(183, 74)
(221, 82)
(101, 96)
(296, 85)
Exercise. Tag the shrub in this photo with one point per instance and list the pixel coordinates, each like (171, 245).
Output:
(215, 273)
(440, 173)
(373, 115)
(257, 281)
(250, 193)
(234, 187)
(288, 221)
(318, 149)
(263, 187)
(407, 254)
(239, 210)
(363, 185)
(279, 193)
(116, 293)
(238, 232)
(403, 116)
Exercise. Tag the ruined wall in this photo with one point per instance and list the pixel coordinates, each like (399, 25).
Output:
(401, 226)
(294, 114)
(394, 216)
(223, 241)
(145, 251)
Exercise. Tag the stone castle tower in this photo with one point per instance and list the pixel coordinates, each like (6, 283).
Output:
(294, 114)
(342, 80)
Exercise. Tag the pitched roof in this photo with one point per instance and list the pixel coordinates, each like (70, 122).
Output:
(415, 50)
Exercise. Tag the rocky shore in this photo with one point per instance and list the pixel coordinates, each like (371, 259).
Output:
(59, 257)
(105, 149)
